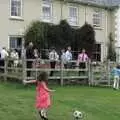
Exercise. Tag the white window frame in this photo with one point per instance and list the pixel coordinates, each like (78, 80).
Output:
(47, 3)
(97, 16)
(71, 19)
(15, 36)
(21, 12)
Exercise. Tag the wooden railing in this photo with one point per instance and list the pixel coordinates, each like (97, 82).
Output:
(93, 73)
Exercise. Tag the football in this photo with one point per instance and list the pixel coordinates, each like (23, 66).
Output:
(77, 114)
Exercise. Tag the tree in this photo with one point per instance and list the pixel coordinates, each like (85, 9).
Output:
(36, 33)
(45, 35)
(111, 49)
(85, 38)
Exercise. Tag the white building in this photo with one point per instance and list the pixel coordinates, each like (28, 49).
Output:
(104, 15)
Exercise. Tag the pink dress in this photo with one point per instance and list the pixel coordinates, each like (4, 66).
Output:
(42, 96)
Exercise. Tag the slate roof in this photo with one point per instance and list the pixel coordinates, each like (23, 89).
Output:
(102, 3)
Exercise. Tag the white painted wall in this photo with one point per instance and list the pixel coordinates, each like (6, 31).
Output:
(117, 32)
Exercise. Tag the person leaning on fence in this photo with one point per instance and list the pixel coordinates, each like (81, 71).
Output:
(63, 58)
(15, 58)
(81, 61)
(29, 55)
(53, 57)
(43, 100)
(4, 54)
(68, 55)
(36, 63)
(116, 74)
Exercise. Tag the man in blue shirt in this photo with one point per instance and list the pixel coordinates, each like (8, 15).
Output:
(116, 74)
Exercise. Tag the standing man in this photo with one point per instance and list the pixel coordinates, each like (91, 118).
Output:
(29, 55)
(4, 54)
(53, 57)
(63, 58)
(82, 59)
(68, 55)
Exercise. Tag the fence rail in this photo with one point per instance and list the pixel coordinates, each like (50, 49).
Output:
(94, 73)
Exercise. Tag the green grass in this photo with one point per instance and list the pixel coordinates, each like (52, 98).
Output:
(17, 102)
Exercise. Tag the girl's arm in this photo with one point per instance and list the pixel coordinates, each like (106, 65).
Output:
(30, 81)
(46, 88)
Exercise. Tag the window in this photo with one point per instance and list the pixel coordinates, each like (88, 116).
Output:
(16, 43)
(73, 15)
(47, 10)
(96, 56)
(97, 18)
(16, 8)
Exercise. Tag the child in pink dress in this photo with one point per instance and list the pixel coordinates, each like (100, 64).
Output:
(43, 101)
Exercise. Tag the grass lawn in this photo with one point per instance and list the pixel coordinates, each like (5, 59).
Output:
(17, 102)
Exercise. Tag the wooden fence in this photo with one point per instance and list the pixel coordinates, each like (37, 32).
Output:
(95, 73)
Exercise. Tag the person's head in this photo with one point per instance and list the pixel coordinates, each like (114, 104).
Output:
(83, 50)
(69, 48)
(118, 66)
(53, 49)
(43, 76)
(63, 50)
(4, 48)
(36, 50)
(15, 50)
(30, 44)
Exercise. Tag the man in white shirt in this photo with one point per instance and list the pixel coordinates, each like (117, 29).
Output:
(53, 57)
(4, 54)
(68, 57)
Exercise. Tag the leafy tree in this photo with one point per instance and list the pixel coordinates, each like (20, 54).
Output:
(45, 35)
(36, 33)
(85, 38)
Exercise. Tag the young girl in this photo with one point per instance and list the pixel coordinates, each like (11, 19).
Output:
(43, 101)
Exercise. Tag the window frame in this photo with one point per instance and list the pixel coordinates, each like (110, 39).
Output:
(97, 13)
(21, 11)
(46, 3)
(69, 17)
(97, 51)
(15, 36)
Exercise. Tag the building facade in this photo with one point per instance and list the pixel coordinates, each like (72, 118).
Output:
(16, 15)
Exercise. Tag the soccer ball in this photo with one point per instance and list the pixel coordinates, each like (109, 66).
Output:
(77, 114)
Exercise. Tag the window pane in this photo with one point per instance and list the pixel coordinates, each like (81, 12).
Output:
(16, 7)
(73, 15)
(12, 43)
(97, 19)
(97, 52)
(15, 42)
(46, 11)
(19, 42)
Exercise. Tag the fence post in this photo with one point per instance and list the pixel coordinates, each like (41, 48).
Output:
(5, 69)
(89, 73)
(61, 73)
(108, 71)
(24, 68)
(23, 60)
(92, 74)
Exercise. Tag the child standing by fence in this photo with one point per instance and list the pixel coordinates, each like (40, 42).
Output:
(116, 74)
(43, 101)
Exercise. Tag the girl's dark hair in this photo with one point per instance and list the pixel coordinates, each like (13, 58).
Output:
(43, 76)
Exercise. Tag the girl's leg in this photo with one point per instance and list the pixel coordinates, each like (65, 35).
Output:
(114, 85)
(45, 117)
(41, 113)
(117, 84)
